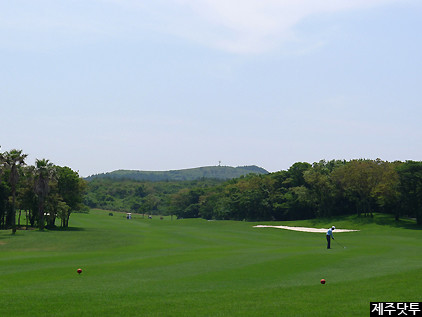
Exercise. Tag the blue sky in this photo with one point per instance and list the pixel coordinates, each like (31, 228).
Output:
(100, 85)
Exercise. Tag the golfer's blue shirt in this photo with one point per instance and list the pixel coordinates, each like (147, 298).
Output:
(330, 233)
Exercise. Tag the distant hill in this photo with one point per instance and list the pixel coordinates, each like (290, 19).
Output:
(215, 172)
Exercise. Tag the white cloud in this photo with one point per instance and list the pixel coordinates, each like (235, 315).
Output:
(251, 26)
(238, 26)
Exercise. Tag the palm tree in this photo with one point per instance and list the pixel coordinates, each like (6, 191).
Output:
(28, 198)
(12, 161)
(2, 196)
(44, 172)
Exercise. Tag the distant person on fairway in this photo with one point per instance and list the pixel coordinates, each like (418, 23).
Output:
(330, 236)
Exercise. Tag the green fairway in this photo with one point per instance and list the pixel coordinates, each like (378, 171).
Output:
(194, 267)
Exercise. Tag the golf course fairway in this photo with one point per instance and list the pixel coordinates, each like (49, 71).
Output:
(195, 267)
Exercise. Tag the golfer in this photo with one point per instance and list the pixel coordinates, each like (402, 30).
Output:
(330, 236)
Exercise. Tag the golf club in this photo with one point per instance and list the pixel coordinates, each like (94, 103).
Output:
(339, 243)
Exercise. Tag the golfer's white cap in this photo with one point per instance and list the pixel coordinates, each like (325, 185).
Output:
(333, 227)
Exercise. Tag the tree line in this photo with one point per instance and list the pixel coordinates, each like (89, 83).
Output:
(304, 191)
(144, 197)
(44, 192)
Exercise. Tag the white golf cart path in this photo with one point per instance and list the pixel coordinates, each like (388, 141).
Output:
(304, 229)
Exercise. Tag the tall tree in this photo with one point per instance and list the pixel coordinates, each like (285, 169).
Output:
(71, 188)
(410, 174)
(296, 174)
(12, 161)
(387, 191)
(321, 189)
(3, 193)
(44, 171)
(27, 196)
(359, 179)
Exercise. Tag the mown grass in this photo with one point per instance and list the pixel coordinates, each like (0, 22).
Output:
(194, 267)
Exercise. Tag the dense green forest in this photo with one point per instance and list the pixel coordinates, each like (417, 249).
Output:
(321, 189)
(216, 172)
(144, 197)
(43, 192)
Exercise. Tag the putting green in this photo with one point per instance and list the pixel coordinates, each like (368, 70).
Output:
(194, 267)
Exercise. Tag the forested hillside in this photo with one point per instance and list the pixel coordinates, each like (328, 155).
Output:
(216, 172)
(139, 196)
(304, 191)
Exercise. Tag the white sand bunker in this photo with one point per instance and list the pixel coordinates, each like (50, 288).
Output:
(304, 229)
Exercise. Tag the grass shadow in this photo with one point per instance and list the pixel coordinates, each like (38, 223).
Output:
(67, 229)
(378, 219)
(389, 220)
(58, 229)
